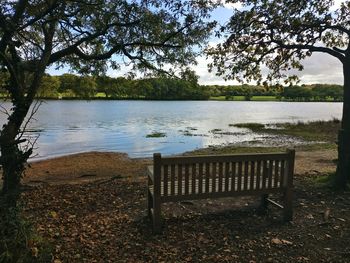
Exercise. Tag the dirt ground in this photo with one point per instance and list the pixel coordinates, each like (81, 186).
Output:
(92, 208)
(85, 167)
(91, 166)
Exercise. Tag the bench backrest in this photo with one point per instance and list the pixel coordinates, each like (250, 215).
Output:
(200, 176)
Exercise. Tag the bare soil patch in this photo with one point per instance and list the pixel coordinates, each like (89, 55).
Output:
(84, 167)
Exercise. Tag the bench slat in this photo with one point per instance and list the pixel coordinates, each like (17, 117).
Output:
(224, 158)
(227, 176)
(234, 176)
(217, 195)
(264, 175)
(221, 174)
(213, 176)
(258, 175)
(200, 178)
(239, 186)
(194, 178)
(283, 172)
(211, 182)
(276, 172)
(207, 177)
(269, 185)
(165, 172)
(172, 179)
(187, 175)
(252, 175)
(246, 172)
(179, 179)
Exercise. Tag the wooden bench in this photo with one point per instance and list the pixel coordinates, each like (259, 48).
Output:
(173, 179)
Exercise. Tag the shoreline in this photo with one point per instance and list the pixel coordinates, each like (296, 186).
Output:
(93, 166)
(254, 99)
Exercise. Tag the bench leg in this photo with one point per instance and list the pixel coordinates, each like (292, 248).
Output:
(264, 203)
(156, 219)
(149, 204)
(288, 205)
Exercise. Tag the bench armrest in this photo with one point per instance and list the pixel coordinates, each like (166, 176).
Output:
(150, 174)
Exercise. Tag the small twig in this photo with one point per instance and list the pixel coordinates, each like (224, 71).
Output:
(35, 109)
(4, 110)
(116, 177)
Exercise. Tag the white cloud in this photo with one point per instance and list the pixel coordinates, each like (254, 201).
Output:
(337, 4)
(237, 5)
(321, 68)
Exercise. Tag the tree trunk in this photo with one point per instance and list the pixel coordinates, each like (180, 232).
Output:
(343, 167)
(13, 159)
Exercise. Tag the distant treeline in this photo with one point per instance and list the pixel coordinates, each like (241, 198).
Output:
(314, 92)
(69, 86)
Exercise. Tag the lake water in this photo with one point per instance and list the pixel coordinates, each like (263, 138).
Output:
(67, 127)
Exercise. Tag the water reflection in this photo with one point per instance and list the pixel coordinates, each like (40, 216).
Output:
(78, 126)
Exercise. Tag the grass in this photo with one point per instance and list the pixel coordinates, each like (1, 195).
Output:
(242, 98)
(264, 98)
(100, 95)
(327, 180)
(321, 135)
(310, 131)
(251, 126)
(215, 130)
(156, 135)
(243, 149)
(324, 180)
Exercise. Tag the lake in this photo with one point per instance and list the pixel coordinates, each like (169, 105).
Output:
(66, 127)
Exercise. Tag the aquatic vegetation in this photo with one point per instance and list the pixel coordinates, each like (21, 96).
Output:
(156, 135)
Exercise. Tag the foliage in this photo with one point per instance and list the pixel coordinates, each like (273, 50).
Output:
(297, 93)
(4, 79)
(49, 87)
(85, 87)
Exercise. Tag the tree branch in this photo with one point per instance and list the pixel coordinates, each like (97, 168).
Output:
(339, 28)
(311, 48)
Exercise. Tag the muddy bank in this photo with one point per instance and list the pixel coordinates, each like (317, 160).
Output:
(91, 166)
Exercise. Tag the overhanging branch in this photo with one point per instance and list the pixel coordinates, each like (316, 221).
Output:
(311, 48)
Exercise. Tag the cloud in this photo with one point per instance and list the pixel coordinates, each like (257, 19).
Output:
(321, 68)
(237, 5)
(336, 5)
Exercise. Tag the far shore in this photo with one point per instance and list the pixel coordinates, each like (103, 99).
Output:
(217, 98)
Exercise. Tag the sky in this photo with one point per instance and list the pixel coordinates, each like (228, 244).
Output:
(319, 68)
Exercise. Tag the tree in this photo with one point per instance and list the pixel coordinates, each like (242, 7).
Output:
(85, 87)
(68, 83)
(49, 87)
(189, 75)
(87, 36)
(297, 93)
(278, 35)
